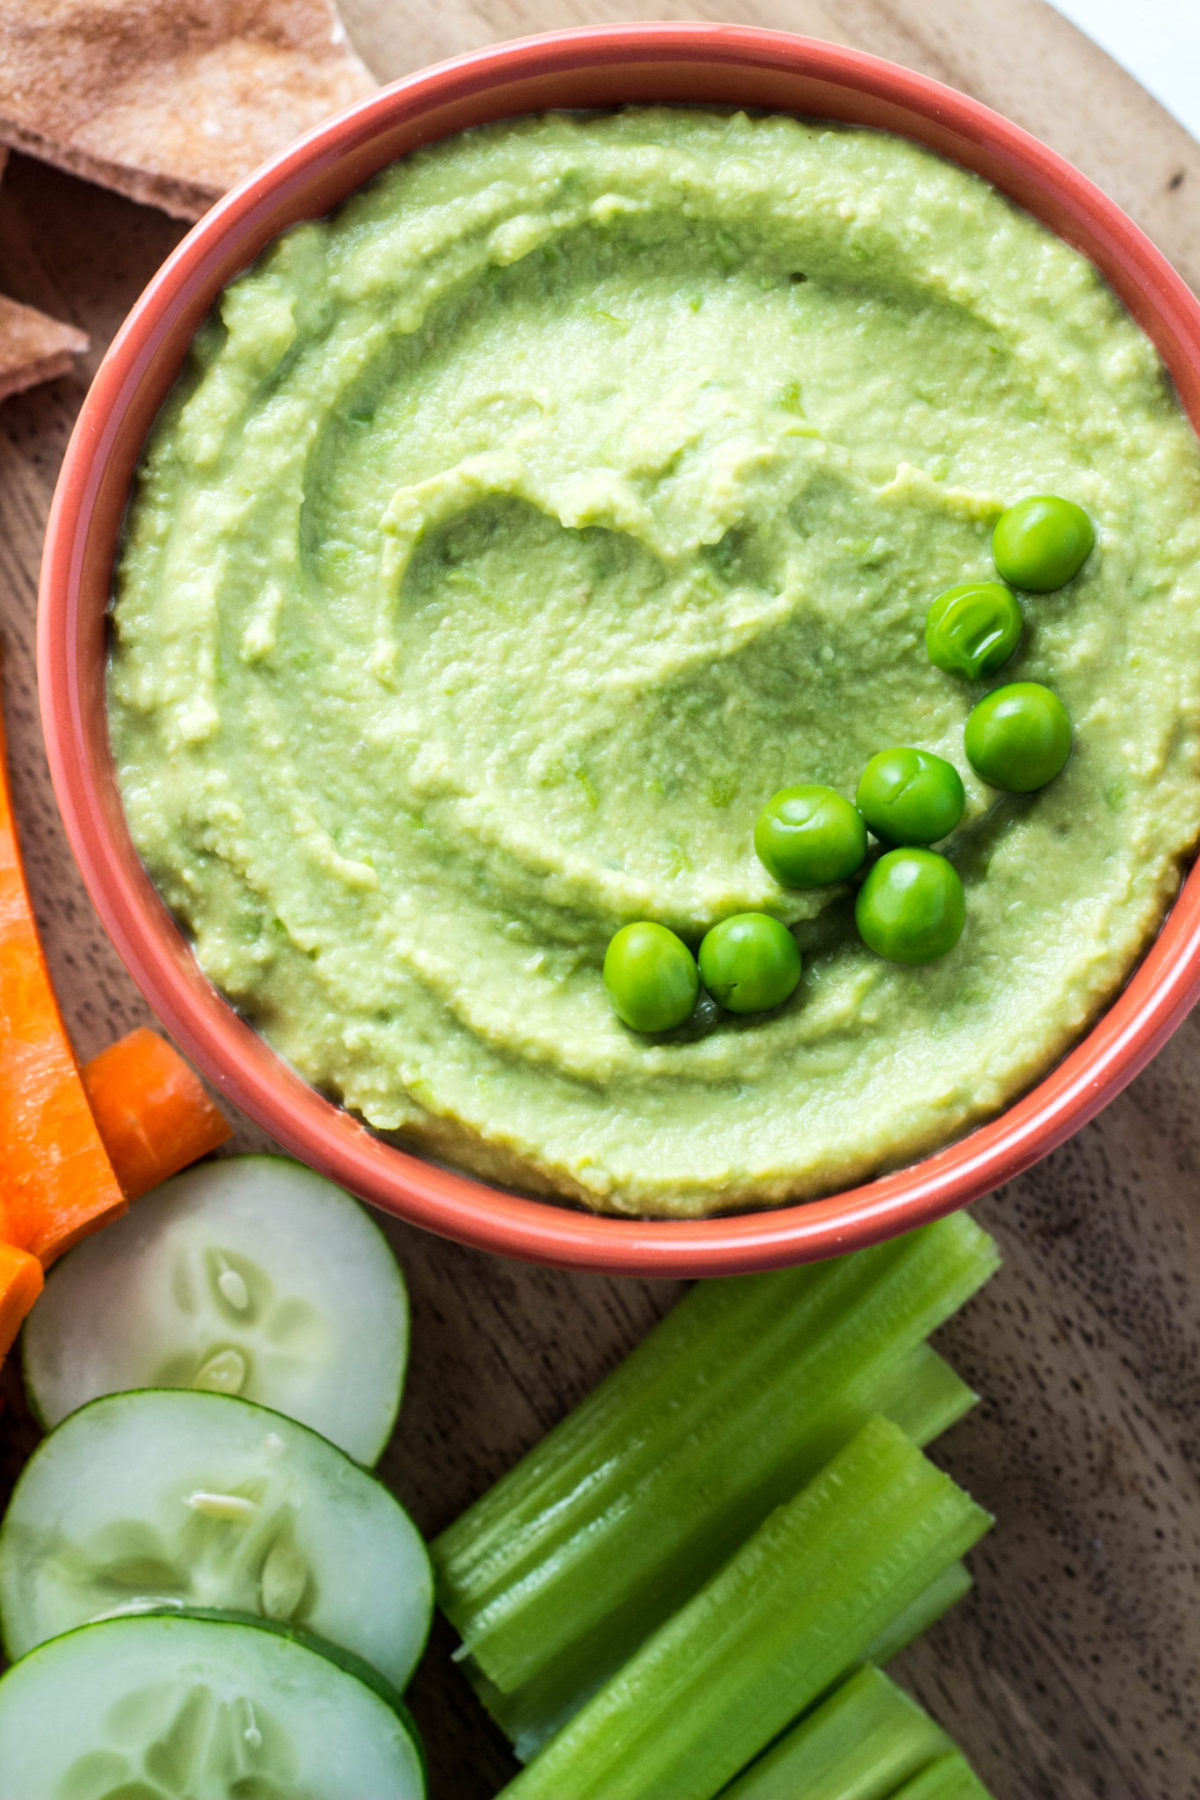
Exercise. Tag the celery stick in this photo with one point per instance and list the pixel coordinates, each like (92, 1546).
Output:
(951, 1586)
(790, 1614)
(536, 1711)
(950, 1778)
(918, 1391)
(684, 1449)
(860, 1744)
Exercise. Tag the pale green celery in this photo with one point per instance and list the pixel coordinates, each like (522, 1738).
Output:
(674, 1459)
(916, 1390)
(950, 1778)
(788, 1616)
(951, 1586)
(860, 1744)
(531, 1715)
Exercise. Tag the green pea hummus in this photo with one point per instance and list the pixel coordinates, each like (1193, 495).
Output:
(515, 534)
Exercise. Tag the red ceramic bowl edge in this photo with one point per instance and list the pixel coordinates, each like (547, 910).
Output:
(71, 651)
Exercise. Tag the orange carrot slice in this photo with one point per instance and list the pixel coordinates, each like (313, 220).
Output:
(151, 1109)
(56, 1183)
(20, 1285)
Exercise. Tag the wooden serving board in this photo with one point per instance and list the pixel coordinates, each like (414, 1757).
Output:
(1074, 1671)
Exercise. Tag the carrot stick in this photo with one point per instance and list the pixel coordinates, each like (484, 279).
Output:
(154, 1117)
(56, 1183)
(20, 1285)
(152, 1111)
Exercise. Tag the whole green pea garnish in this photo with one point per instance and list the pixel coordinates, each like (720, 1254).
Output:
(911, 908)
(809, 836)
(972, 630)
(910, 796)
(651, 977)
(1018, 737)
(1041, 542)
(750, 963)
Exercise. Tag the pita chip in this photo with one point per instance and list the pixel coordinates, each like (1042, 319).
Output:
(33, 347)
(169, 101)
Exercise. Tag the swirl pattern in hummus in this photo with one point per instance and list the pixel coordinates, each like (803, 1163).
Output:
(510, 539)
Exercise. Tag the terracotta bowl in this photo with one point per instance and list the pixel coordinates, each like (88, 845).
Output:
(607, 66)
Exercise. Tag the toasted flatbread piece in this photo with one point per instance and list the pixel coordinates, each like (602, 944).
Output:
(169, 101)
(33, 347)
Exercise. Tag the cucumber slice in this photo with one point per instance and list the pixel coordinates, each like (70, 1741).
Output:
(190, 1499)
(250, 1276)
(196, 1708)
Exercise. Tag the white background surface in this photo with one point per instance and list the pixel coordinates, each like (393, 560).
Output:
(1157, 40)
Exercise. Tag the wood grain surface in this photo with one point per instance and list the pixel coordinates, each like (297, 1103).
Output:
(1074, 1671)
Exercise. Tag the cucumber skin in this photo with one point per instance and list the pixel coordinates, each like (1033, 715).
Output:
(288, 1162)
(335, 1651)
(345, 1660)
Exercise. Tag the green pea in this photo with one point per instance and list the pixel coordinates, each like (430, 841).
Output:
(750, 963)
(651, 977)
(910, 796)
(911, 908)
(1018, 737)
(972, 630)
(1041, 542)
(809, 836)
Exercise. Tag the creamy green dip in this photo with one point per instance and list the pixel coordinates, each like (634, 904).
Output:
(512, 536)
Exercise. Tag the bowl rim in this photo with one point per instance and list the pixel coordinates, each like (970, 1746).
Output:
(82, 536)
